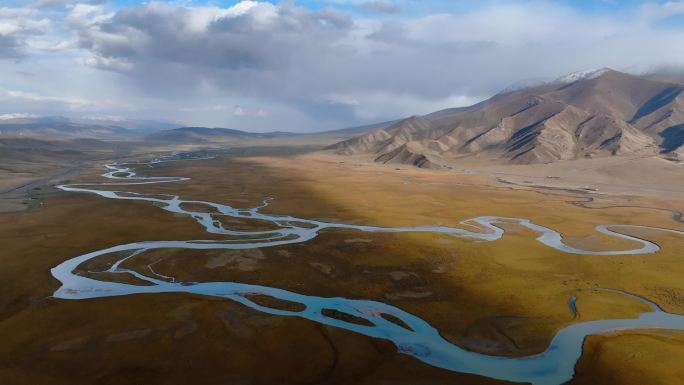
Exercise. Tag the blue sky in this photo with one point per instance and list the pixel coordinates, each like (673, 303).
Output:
(310, 65)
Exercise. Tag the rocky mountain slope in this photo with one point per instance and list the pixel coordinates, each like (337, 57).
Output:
(586, 114)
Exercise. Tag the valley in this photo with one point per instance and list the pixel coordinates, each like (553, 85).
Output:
(516, 289)
(329, 192)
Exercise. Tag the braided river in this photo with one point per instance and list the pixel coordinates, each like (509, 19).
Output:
(411, 335)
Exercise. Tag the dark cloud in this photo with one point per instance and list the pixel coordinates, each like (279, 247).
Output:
(381, 6)
(390, 32)
(328, 111)
(39, 4)
(264, 39)
(10, 47)
(48, 3)
(17, 26)
(281, 52)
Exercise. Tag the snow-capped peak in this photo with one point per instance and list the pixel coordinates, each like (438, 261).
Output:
(581, 75)
(567, 79)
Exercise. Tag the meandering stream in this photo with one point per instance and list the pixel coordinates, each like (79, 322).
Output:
(411, 335)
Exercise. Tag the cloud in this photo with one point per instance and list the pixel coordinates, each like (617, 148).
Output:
(101, 62)
(48, 3)
(376, 106)
(276, 52)
(236, 111)
(17, 115)
(69, 102)
(659, 11)
(381, 6)
(10, 47)
(40, 4)
(390, 32)
(217, 107)
(17, 27)
(249, 35)
(239, 111)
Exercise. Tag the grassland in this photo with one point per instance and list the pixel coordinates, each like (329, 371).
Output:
(506, 297)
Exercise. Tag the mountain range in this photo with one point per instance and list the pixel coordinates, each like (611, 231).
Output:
(587, 114)
(106, 128)
(200, 135)
(582, 115)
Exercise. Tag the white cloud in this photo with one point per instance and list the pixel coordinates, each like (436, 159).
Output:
(239, 111)
(18, 28)
(17, 115)
(380, 105)
(105, 63)
(70, 102)
(217, 107)
(659, 11)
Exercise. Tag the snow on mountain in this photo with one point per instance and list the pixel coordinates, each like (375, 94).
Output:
(580, 75)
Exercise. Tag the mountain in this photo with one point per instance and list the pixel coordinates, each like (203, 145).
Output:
(92, 128)
(586, 114)
(668, 74)
(197, 135)
(357, 130)
(134, 126)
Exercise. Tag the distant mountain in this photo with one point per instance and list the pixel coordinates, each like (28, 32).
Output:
(134, 126)
(587, 114)
(93, 128)
(196, 135)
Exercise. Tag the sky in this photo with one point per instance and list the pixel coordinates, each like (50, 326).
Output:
(309, 65)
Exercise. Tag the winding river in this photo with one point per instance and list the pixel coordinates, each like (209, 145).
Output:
(410, 334)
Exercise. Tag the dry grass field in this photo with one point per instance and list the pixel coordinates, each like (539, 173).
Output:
(506, 298)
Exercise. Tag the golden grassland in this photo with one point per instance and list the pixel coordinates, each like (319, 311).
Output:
(506, 297)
